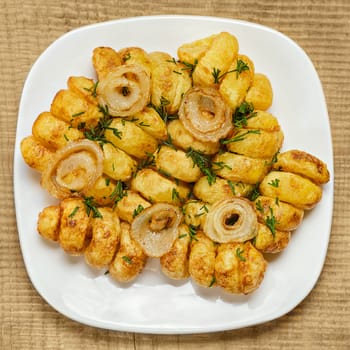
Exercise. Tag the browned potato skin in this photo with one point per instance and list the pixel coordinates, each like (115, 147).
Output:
(136, 56)
(174, 263)
(104, 59)
(202, 260)
(127, 206)
(287, 216)
(84, 87)
(49, 222)
(102, 191)
(266, 242)
(130, 258)
(35, 154)
(184, 140)
(219, 190)
(304, 164)
(260, 93)
(75, 226)
(54, 133)
(195, 212)
(264, 121)
(292, 188)
(239, 267)
(105, 238)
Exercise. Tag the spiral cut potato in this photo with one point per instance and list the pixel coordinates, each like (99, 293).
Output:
(172, 158)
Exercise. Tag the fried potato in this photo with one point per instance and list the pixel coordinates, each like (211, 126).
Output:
(84, 87)
(304, 164)
(35, 154)
(291, 188)
(54, 133)
(174, 263)
(130, 258)
(239, 267)
(260, 93)
(104, 59)
(157, 188)
(137, 56)
(264, 121)
(202, 260)
(105, 232)
(102, 191)
(127, 136)
(181, 138)
(240, 168)
(49, 222)
(195, 212)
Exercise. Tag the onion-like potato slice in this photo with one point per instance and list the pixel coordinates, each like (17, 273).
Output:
(73, 169)
(156, 228)
(231, 220)
(205, 114)
(125, 90)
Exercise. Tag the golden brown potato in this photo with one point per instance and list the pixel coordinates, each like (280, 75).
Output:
(117, 164)
(174, 263)
(75, 226)
(268, 242)
(237, 81)
(75, 110)
(130, 205)
(195, 212)
(175, 163)
(217, 59)
(202, 260)
(183, 139)
(84, 87)
(239, 267)
(105, 232)
(130, 258)
(35, 154)
(54, 133)
(240, 168)
(137, 56)
(169, 82)
(102, 191)
(287, 216)
(304, 164)
(220, 189)
(49, 222)
(291, 188)
(104, 59)
(151, 122)
(264, 121)
(255, 143)
(130, 138)
(260, 93)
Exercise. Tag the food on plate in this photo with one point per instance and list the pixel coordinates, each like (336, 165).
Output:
(172, 158)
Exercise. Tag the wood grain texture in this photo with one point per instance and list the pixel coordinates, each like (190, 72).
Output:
(322, 29)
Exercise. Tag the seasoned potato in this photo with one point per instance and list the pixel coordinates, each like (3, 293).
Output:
(128, 207)
(157, 188)
(169, 82)
(54, 133)
(117, 164)
(217, 58)
(237, 81)
(195, 212)
(174, 263)
(260, 93)
(130, 258)
(84, 87)
(303, 163)
(35, 154)
(268, 242)
(264, 121)
(291, 188)
(202, 260)
(183, 139)
(75, 226)
(136, 56)
(220, 189)
(49, 222)
(102, 190)
(287, 216)
(130, 138)
(241, 168)
(176, 164)
(256, 144)
(104, 59)
(105, 238)
(239, 267)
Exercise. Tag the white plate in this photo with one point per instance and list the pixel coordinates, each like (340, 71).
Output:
(154, 304)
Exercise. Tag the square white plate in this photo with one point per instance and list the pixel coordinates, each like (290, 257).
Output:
(154, 304)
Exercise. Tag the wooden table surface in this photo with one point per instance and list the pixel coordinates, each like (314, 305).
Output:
(322, 29)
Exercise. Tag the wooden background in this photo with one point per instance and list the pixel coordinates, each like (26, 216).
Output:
(322, 29)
